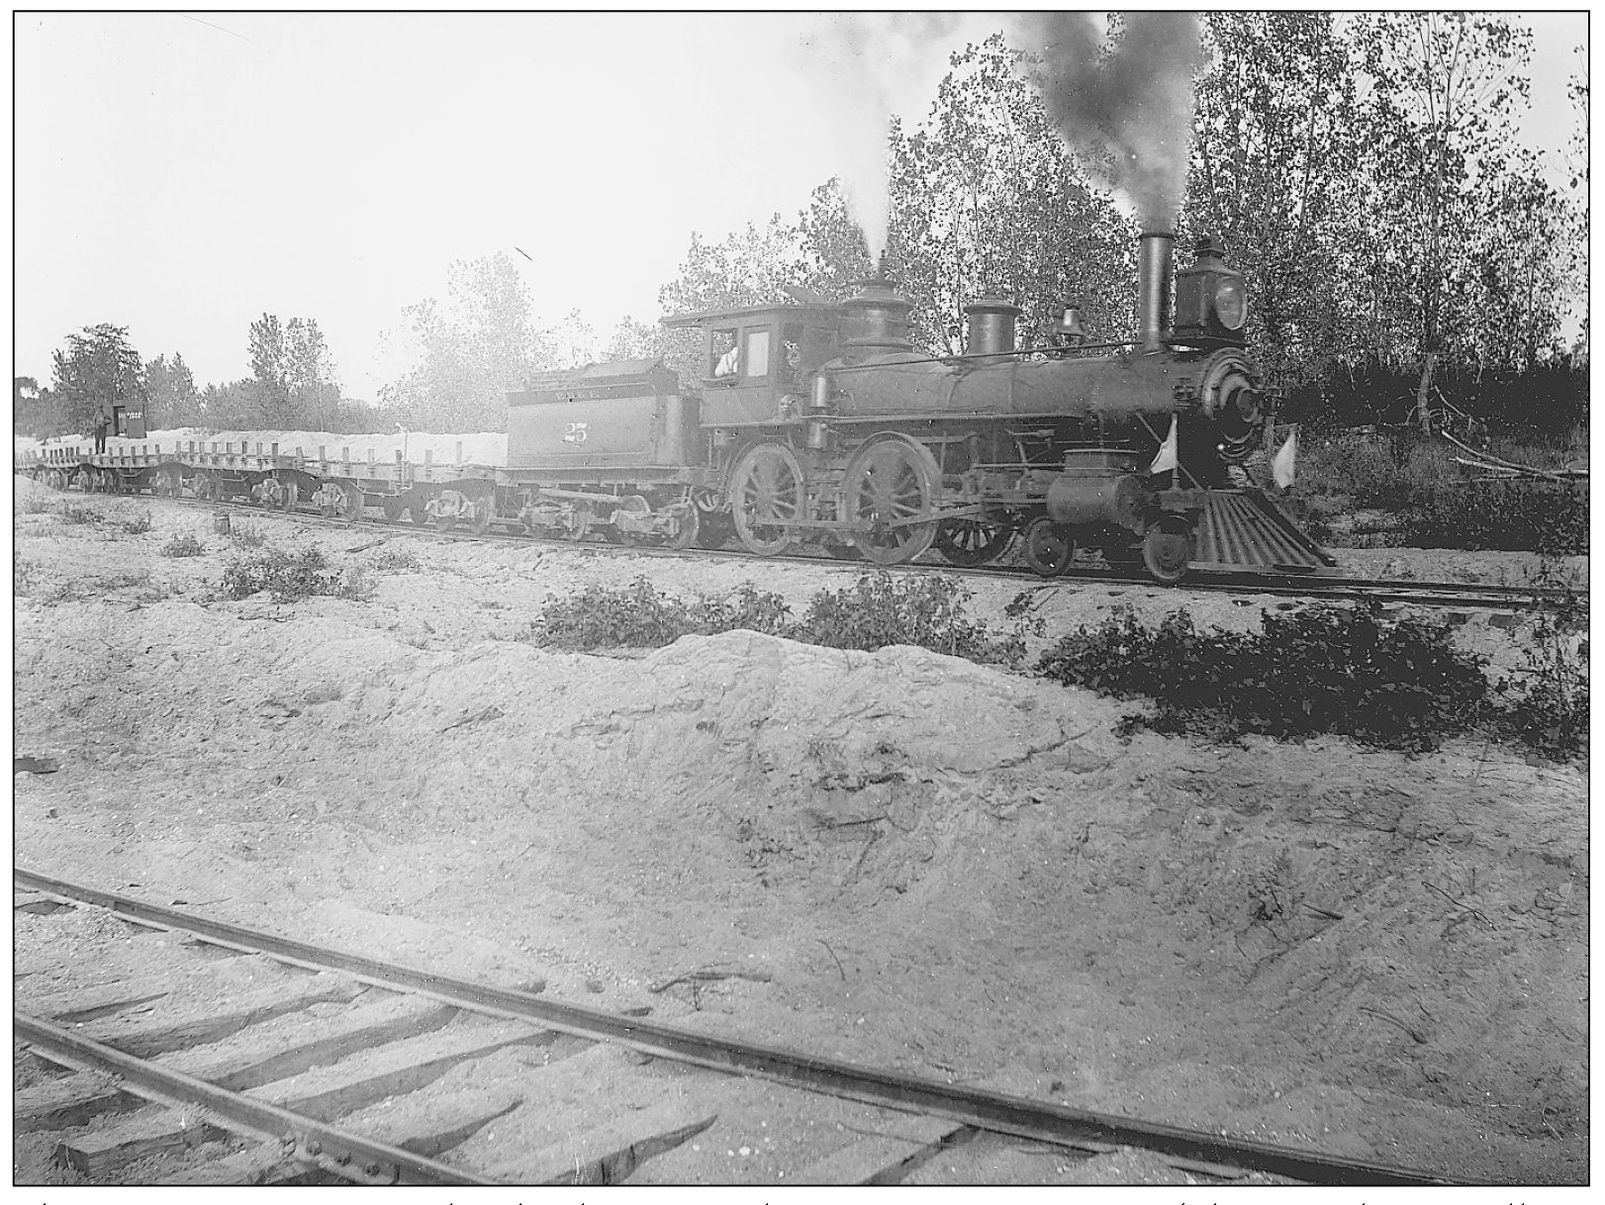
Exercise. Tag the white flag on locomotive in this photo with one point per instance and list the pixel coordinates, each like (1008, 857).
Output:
(1166, 460)
(1282, 462)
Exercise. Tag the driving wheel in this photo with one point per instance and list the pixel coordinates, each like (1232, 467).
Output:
(767, 492)
(889, 481)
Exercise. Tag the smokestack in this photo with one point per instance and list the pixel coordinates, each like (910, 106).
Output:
(1154, 253)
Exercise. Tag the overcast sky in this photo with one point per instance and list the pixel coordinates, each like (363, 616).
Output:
(182, 175)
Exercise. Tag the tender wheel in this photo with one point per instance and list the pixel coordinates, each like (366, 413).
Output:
(289, 495)
(767, 491)
(689, 531)
(205, 488)
(577, 523)
(971, 542)
(890, 480)
(447, 507)
(1166, 549)
(393, 508)
(637, 506)
(346, 503)
(1048, 547)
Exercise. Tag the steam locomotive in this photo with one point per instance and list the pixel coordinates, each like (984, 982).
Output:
(820, 423)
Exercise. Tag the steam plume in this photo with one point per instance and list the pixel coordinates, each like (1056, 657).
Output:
(873, 65)
(1125, 110)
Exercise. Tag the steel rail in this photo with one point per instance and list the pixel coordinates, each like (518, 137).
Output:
(1387, 590)
(345, 1154)
(986, 1110)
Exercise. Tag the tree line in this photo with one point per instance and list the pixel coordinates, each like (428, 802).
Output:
(1363, 171)
(293, 386)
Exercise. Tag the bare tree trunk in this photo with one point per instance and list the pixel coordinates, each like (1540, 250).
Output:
(1423, 415)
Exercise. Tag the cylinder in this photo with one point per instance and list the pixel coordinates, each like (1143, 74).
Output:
(1155, 250)
(992, 326)
(1096, 500)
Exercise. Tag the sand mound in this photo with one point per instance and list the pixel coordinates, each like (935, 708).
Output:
(897, 856)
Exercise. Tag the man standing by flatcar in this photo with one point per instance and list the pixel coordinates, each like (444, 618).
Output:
(103, 419)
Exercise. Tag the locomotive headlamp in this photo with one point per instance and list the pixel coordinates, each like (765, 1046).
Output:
(1211, 301)
(1231, 305)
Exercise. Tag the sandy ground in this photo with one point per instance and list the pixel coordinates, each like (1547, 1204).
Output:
(926, 864)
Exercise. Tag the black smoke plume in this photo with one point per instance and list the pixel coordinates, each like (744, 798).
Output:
(1125, 108)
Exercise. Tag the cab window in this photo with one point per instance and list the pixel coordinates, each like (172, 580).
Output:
(722, 354)
(755, 359)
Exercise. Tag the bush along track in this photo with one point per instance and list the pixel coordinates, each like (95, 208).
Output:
(1545, 705)
(1386, 683)
(291, 576)
(1326, 669)
(876, 611)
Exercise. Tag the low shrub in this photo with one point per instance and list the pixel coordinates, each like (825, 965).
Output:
(1422, 484)
(876, 611)
(292, 576)
(879, 610)
(748, 608)
(247, 535)
(183, 545)
(38, 504)
(139, 524)
(1526, 515)
(24, 573)
(78, 514)
(1396, 684)
(394, 560)
(1545, 705)
(635, 616)
(1374, 472)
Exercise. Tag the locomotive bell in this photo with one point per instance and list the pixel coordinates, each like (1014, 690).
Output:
(1068, 330)
(1211, 302)
(876, 321)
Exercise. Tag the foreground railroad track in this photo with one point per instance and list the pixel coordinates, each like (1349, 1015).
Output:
(339, 1067)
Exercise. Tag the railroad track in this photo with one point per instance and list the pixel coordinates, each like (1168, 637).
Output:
(1320, 585)
(324, 1066)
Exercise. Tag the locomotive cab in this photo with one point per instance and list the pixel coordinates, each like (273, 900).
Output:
(757, 362)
